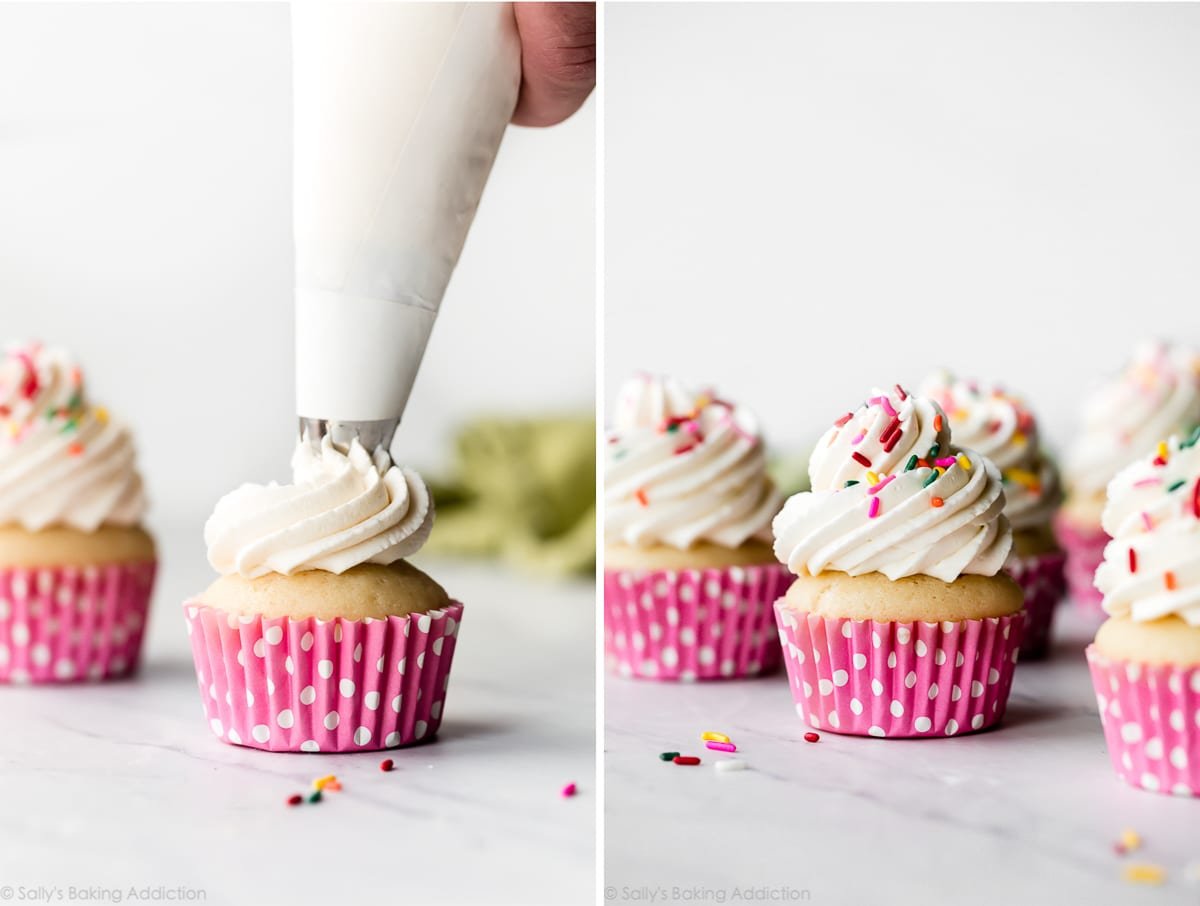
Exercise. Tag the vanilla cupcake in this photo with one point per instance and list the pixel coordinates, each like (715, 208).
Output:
(1145, 661)
(319, 636)
(900, 621)
(998, 425)
(1156, 395)
(689, 577)
(76, 566)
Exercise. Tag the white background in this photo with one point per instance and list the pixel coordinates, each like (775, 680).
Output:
(805, 200)
(145, 223)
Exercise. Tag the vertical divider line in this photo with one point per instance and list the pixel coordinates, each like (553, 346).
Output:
(601, 47)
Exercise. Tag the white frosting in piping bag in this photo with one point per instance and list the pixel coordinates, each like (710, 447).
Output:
(399, 112)
(892, 495)
(342, 509)
(62, 460)
(683, 467)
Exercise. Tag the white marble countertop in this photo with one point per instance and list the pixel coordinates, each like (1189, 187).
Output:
(123, 784)
(1027, 813)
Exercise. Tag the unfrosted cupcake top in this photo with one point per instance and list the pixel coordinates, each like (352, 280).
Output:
(997, 424)
(1158, 394)
(683, 467)
(63, 461)
(341, 509)
(1151, 566)
(892, 494)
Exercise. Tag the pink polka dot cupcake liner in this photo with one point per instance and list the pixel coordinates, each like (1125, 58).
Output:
(1043, 580)
(62, 624)
(926, 680)
(309, 685)
(1085, 552)
(1151, 719)
(692, 624)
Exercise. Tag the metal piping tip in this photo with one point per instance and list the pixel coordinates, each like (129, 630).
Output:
(371, 434)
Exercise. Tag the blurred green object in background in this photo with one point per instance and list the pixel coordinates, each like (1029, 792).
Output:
(522, 490)
(790, 472)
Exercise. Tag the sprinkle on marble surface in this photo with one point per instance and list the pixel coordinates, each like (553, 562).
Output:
(714, 736)
(730, 764)
(686, 759)
(569, 790)
(1144, 873)
(812, 737)
(386, 765)
(668, 756)
(720, 746)
(295, 799)
(314, 796)
(1131, 840)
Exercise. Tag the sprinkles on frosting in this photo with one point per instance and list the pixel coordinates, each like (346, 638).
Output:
(933, 461)
(21, 399)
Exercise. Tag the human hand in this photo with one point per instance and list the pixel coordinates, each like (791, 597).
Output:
(558, 60)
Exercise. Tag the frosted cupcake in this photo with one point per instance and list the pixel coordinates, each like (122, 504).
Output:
(999, 426)
(689, 577)
(319, 636)
(1145, 661)
(76, 567)
(900, 621)
(1158, 394)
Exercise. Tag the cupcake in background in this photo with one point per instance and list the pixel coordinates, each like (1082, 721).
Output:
(319, 636)
(1145, 662)
(901, 621)
(1157, 394)
(76, 566)
(998, 425)
(689, 576)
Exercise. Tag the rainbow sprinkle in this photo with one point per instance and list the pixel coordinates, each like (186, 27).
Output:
(1144, 873)
(873, 510)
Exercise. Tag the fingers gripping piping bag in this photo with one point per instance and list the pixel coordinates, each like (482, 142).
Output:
(340, 644)
(399, 113)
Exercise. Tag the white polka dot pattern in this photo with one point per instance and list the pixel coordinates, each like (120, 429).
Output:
(886, 680)
(1085, 552)
(1151, 718)
(316, 686)
(1043, 580)
(68, 624)
(692, 624)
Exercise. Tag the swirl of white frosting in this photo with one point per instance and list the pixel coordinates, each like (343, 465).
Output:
(342, 509)
(998, 424)
(684, 467)
(892, 495)
(1151, 566)
(1157, 394)
(62, 461)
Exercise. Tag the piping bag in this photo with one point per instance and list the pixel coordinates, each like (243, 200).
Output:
(399, 109)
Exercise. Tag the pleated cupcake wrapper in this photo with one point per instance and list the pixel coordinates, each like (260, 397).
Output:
(309, 685)
(71, 623)
(1042, 579)
(865, 678)
(1085, 552)
(1151, 718)
(692, 624)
